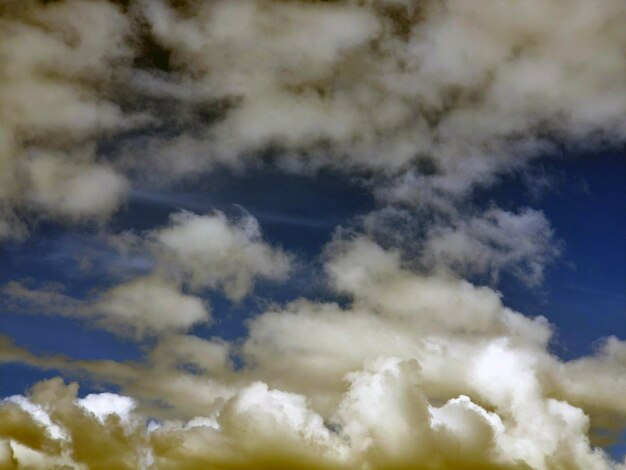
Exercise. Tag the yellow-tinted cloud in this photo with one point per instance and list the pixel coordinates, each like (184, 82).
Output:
(429, 99)
(416, 372)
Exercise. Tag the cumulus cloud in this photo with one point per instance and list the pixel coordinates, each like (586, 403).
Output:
(423, 101)
(415, 369)
(375, 279)
(212, 252)
(103, 405)
(87, 439)
(595, 381)
(384, 419)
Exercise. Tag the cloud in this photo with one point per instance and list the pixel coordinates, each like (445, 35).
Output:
(62, 188)
(201, 251)
(413, 369)
(429, 99)
(48, 299)
(384, 419)
(377, 84)
(595, 381)
(59, 62)
(212, 252)
(422, 102)
(87, 440)
(140, 308)
(103, 405)
(149, 306)
(493, 242)
(375, 279)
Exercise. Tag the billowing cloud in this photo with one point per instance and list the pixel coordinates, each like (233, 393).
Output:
(59, 63)
(415, 369)
(384, 420)
(405, 364)
(212, 252)
(84, 439)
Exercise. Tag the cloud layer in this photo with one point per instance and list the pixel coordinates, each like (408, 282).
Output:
(438, 96)
(416, 370)
(405, 364)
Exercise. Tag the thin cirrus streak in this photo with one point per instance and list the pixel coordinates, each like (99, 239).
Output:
(403, 362)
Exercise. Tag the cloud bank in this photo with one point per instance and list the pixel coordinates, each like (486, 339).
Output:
(422, 102)
(416, 372)
(437, 96)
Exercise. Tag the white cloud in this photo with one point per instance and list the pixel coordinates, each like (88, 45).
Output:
(103, 405)
(138, 308)
(493, 242)
(354, 388)
(63, 188)
(375, 86)
(212, 252)
(383, 82)
(149, 306)
(39, 414)
(58, 62)
(429, 100)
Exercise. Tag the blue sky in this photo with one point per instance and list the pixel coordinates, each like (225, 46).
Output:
(582, 294)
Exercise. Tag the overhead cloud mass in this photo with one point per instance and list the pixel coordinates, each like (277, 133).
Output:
(405, 361)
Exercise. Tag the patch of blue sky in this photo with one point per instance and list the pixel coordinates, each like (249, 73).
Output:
(583, 292)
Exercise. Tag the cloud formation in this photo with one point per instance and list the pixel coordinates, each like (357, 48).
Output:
(384, 84)
(149, 306)
(493, 242)
(53, 93)
(211, 252)
(438, 96)
(414, 371)
(406, 364)
(197, 251)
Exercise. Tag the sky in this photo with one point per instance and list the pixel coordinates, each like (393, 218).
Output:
(358, 234)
